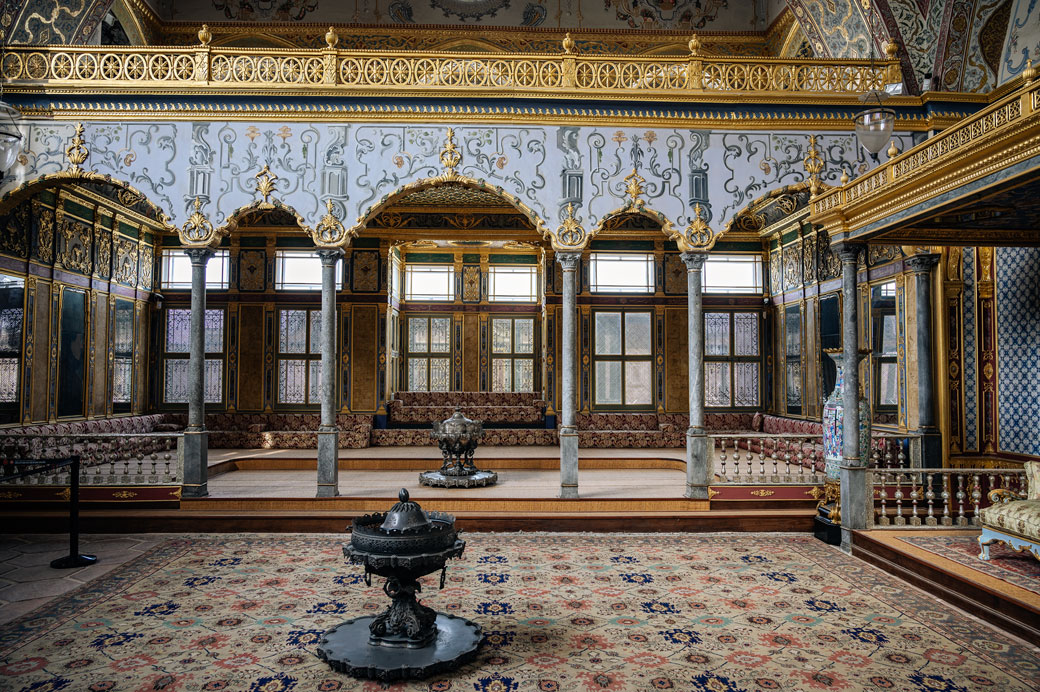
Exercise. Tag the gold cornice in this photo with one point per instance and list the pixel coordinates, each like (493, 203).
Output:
(505, 115)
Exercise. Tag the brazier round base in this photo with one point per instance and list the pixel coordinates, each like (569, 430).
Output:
(347, 650)
(473, 480)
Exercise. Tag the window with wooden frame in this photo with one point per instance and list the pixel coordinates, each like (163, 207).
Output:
(122, 356)
(177, 345)
(512, 354)
(622, 359)
(793, 359)
(12, 298)
(428, 353)
(884, 340)
(299, 356)
(175, 270)
(732, 360)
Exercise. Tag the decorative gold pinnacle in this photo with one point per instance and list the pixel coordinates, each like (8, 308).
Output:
(204, 35)
(570, 235)
(893, 150)
(1029, 74)
(265, 185)
(844, 177)
(331, 37)
(813, 166)
(634, 188)
(450, 156)
(568, 44)
(694, 45)
(76, 153)
(197, 230)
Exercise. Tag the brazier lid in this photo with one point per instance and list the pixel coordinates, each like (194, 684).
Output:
(405, 515)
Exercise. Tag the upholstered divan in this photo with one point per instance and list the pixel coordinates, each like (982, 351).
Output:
(514, 409)
(66, 438)
(283, 430)
(1013, 519)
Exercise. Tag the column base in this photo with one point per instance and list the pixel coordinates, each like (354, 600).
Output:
(698, 469)
(856, 503)
(568, 463)
(328, 463)
(195, 462)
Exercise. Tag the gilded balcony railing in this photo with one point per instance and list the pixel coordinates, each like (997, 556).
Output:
(942, 157)
(106, 69)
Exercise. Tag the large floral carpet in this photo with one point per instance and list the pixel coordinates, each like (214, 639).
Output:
(571, 613)
(1020, 569)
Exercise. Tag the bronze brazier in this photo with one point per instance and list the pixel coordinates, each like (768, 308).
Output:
(408, 640)
(458, 437)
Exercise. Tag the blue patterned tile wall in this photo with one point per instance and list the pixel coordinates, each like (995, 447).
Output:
(971, 375)
(1018, 349)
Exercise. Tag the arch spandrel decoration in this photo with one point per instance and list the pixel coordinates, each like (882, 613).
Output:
(329, 233)
(450, 158)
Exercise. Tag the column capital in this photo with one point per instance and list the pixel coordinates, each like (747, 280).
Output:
(568, 260)
(921, 264)
(199, 255)
(694, 261)
(329, 255)
(849, 254)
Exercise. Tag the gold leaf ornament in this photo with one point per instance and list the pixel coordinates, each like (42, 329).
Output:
(570, 235)
(330, 231)
(265, 185)
(77, 153)
(450, 156)
(698, 235)
(197, 230)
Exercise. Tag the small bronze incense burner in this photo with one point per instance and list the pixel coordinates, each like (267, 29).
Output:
(458, 437)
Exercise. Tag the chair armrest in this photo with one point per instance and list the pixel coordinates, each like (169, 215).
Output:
(1004, 495)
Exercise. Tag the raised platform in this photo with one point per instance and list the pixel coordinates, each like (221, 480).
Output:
(964, 583)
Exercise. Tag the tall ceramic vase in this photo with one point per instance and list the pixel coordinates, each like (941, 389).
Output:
(833, 421)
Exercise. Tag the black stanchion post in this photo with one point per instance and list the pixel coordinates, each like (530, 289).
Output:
(74, 559)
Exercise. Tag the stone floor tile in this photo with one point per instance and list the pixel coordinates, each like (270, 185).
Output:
(94, 571)
(10, 611)
(44, 546)
(33, 559)
(39, 572)
(37, 589)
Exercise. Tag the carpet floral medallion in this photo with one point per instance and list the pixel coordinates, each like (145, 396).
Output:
(561, 613)
(1018, 568)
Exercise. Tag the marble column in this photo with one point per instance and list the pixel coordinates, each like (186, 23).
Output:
(195, 446)
(853, 473)
(569, 261)
(931, 443)
(328, 433)
(698, 462)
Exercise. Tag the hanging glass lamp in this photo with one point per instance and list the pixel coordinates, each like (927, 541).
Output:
(874, 126)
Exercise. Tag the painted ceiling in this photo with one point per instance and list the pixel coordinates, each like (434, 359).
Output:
(709, 15)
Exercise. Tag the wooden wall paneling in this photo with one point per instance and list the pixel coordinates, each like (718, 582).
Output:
(987, 336)
(141, 355)
(100, 347)
(471, 352)
(951, 309)
(364, 352)
(811, 361)
(29, 335)
(345, 361)
(676, 361)
(583, 358)
(659, 341)
(251, 358)
(232, 361)
(51, 366)
(270, 339)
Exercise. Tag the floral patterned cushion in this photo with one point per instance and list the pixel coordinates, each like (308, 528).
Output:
(1018, 516)
(399, 413)
(1032, 469)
